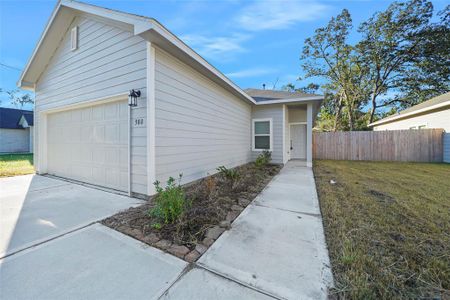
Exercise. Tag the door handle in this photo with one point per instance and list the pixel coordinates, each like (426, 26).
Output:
(291, 145)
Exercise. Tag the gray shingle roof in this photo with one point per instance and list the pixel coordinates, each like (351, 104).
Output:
(268, 95)
(433, 101)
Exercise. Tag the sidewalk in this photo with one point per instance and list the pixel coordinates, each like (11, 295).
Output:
(277, 245)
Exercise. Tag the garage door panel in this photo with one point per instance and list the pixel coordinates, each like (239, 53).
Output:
(86, 133)
(86, 114)
(98, 133)
(75, 134)
(111, 111)
(76, 116)
(97, 113)
(112, 134)
(90, 144)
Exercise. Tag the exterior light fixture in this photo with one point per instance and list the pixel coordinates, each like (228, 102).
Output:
(132, 97)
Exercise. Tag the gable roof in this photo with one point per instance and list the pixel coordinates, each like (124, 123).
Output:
(147, 28)
(434, 103)
(10, 117)
(274, 96)
(28, 116)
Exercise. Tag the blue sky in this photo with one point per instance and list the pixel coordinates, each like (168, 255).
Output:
(252, 42)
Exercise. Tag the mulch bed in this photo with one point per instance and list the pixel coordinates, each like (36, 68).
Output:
(215, 203)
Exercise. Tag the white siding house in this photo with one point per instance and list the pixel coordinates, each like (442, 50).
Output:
(16, 130)
(433, 113)
(188, 118)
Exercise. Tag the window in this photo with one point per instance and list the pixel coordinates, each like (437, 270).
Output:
(422, 127)
(74, 38)
(262, 134)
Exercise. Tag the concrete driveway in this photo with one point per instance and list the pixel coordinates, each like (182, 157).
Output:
(34, 209)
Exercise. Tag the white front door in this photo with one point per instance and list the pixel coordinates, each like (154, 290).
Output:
(90, 144)
(298, 141)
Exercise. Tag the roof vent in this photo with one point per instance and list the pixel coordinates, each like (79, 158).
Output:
(74, 38)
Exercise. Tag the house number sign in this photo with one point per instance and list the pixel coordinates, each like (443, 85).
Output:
(139, 122)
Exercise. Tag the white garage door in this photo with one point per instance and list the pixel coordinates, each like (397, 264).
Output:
(90, 144)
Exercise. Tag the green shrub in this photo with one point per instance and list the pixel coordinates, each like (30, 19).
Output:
(263, 159)
(230, 174)
(156, 226)
(170, 201)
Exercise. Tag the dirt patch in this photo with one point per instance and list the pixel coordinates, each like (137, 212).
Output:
(215, 203)
(382, 197)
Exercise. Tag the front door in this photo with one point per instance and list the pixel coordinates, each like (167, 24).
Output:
(298, 141)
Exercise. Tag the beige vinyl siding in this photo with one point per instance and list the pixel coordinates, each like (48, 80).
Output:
(14, 140)
(434, 119)
(198, 125)
(297, 114)
(109, 61)
(275, 112)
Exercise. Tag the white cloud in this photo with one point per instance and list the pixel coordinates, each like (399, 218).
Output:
(264, 15)
(250, 73)
(217, 47)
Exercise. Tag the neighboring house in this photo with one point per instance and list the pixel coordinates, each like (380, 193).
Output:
(433, 113)
(16, 130)
(189, 118)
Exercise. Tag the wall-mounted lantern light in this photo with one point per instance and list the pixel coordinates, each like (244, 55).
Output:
(132, 97)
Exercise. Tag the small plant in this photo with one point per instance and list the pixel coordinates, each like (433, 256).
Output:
(210, 186)
(263, 159)
(156, 226)
(170, 201)
(230, 174)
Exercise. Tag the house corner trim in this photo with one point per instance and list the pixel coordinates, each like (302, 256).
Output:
(151, 169)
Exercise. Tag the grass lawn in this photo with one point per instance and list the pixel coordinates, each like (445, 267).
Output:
(387, 227)
(16, 164)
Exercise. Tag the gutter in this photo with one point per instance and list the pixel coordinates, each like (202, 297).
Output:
(291, 100)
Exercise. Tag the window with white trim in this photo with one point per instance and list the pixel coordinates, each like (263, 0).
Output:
(262, 134)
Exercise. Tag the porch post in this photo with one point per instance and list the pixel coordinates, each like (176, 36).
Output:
(309, 126)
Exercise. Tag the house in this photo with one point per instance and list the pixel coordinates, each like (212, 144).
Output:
(121, 102)
(16, 130)
(433, 113)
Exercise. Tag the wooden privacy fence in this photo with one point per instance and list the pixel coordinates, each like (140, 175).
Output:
(423, 145)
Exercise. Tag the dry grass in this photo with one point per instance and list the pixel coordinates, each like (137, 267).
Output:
(387, 227)
(16, 164)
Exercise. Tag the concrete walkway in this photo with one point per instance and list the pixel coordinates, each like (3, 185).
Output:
(274, 250)
(277, 245)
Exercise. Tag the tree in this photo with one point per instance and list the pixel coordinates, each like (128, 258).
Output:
(311, 88)
(429, 75)
(327, 54)
(18, 99)
(402, 59)
(396, 51)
